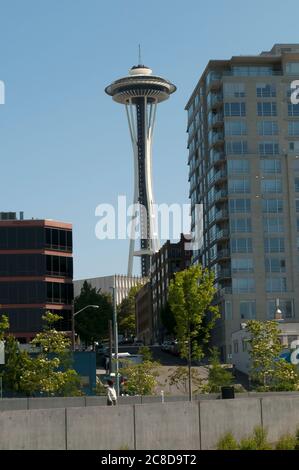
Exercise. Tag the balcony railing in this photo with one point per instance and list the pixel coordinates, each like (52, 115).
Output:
(217, 157)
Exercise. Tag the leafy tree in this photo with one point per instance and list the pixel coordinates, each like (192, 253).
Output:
(218, 375)
(4, 326)
(180, 376)
(126, 313)
(190, 297)
(16, 362)
(146, 353)
(92, 324)
(46, 372)
(267, 369)
(141, 379)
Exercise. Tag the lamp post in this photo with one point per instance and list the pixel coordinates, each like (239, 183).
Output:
(73, 320)
(115, 327)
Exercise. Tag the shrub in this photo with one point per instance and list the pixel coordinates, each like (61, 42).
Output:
(286, 442)
(258, 440)
(227, 442)
(297, 440)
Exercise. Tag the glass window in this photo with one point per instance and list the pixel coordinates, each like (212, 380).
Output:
(273, 206)
(234, 109)
(265, 90)
(238, 166)
(294, 146)
(267, 128)
(274, 245)
(292, 68)
(236, 347)
(236, 148)
(286, 306)
(297, 185)
(234, 90)
(293, 109)
(242, 265)
(247, 309)
(271, 186)
(275, 265)
(239, 205)
(270, 166)
(239, 185)
(241, 245)
(293, 128)
(268, 148)
(273, 225)
(240, 225)
(276, 284)
(228, 310)
(251, 70)
(266, 109)
(243, 285)
(297, 205)
(235, 128)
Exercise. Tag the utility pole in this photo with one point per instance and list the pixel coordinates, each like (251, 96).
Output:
(110, 346)
(115, 338)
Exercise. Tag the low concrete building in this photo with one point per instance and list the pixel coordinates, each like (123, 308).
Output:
(122, 284)
(240, 344)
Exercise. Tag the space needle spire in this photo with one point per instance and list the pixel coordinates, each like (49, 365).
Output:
(140, 92)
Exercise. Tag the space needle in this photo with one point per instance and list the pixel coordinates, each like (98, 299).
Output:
(140, 92)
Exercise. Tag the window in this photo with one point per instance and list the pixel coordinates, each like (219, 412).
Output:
(273, 225)
(268, 148)
(293, 128)
(234, 90)
(275, 265)
(293, 109)
(239, 205)
(266, 109)
(247, 310)
(244, 344)
(265, 90)
(228, 310)
(235, 128)
(286, 306)
(292, 68)
(252, 70)
(276, 284)
(240, 225)
(241, 245)
(297, 224)
(243, 285)
(270, 166)
(236, 148)
(271, 186)
(236, 347)
(297, 185)
(294, 146)
(239, 185)
(234, 109)
(274, 206)
(267, 128)
(297, 205)
(238, 166)
(242, 265)
(274, 245)
(296, 164)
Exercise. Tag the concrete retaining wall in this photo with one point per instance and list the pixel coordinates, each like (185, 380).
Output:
(158, 426)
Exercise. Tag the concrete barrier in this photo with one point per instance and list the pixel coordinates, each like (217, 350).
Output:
(280, 415)
(32, 430)
(95, 401)
(167, 426)
(41, 403)
(99, 427)
(218, 417)
(13, 404)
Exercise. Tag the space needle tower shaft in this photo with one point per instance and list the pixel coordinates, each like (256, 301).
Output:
(140, 92)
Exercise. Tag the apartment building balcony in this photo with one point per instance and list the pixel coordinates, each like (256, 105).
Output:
(224, 273)
(221, 195)
(217, 158)
(215, 102)
(217, 121)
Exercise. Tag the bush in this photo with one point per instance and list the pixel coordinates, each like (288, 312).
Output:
(258, 441)
(227, 442)
(286, 442)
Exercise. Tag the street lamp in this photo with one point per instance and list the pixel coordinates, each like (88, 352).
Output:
(278, 313)
(73, 321)
(115, 327)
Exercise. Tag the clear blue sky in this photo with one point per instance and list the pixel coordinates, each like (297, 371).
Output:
(64, 144)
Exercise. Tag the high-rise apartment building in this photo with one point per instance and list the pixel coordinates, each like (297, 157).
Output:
(36, 273)
(243, 141)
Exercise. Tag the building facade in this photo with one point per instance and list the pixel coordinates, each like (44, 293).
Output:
(243, 141)
(123, 284)
(171, 258)
(144, 314)
(36, 273)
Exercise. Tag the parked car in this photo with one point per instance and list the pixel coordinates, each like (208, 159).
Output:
(165, 346)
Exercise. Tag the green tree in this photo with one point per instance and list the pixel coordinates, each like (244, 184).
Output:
(218, 376)
(48, 371)
(146, 353)
(16, 362)
(180, 376)
(92, 324)
(141, 379)
(126, 313)
(4, 326)
(268, 371)
(190, 297)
